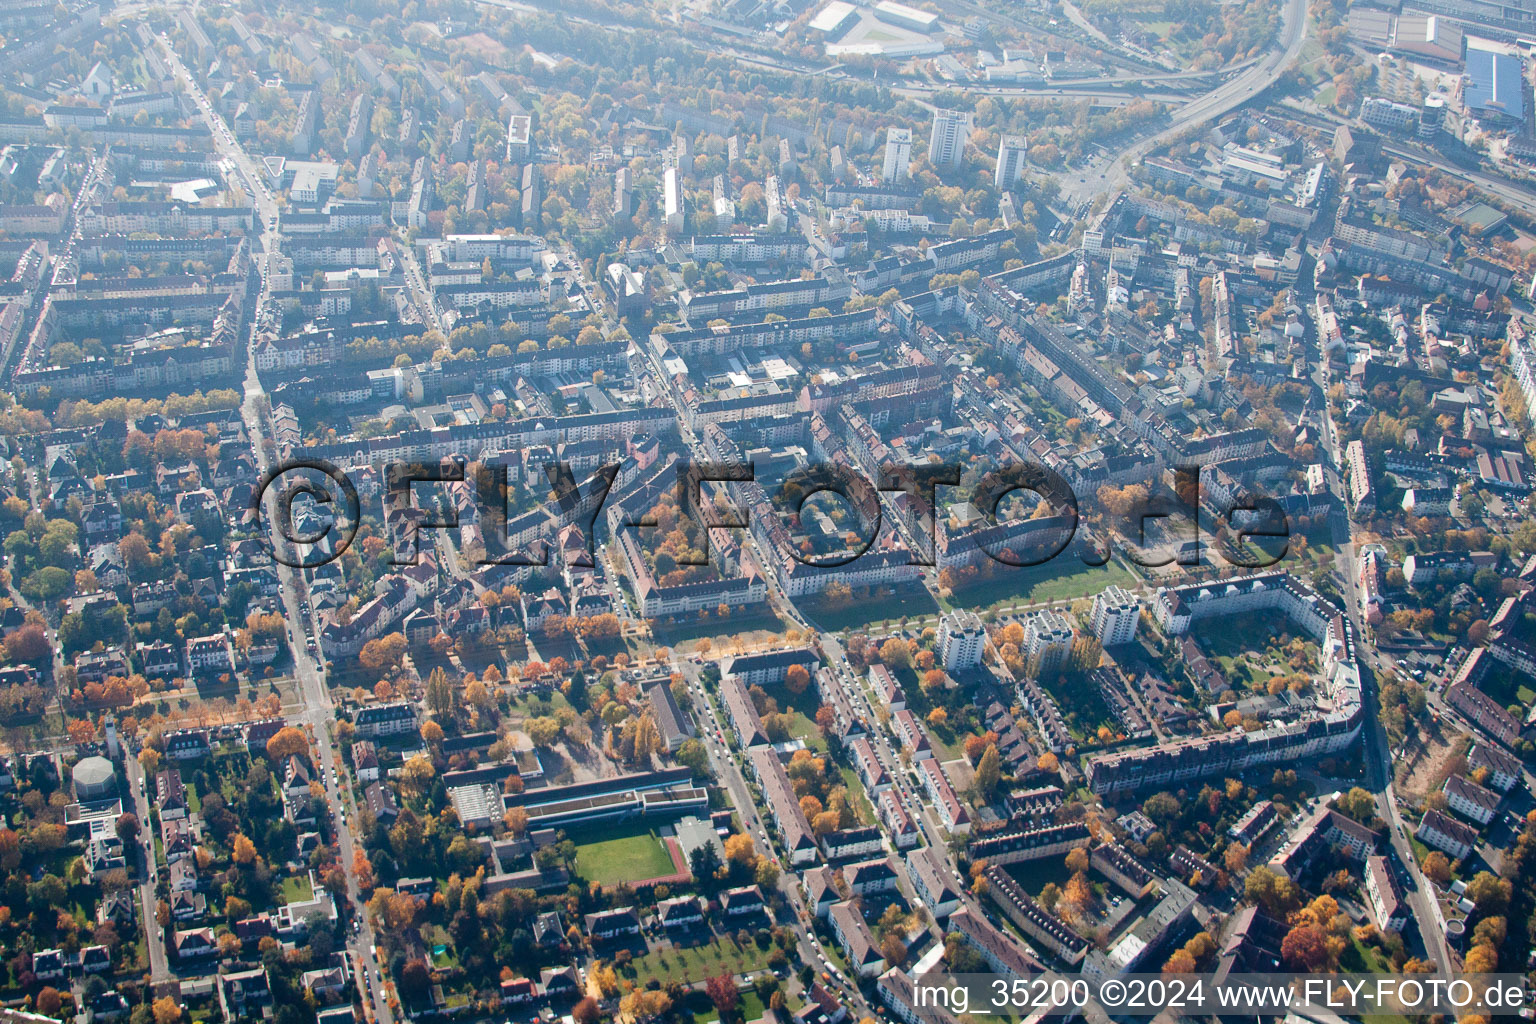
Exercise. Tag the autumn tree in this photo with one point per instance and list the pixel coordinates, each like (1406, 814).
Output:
(643, 737)
(797, 679)
(166, 1010)
(721, 989)
(1179, 963)
(1305, 948)
(543, 731)
(645, 1004)
(976, 744)
(28, 643)
(1437, 867)
(127, 827)
(740, 849)
(418, 773)
(48, 1001)
(896, 653)
(692, 754)
(1357, 803)
(415, 978)
(1482, 959)
(1076, 898)
(243, 852)
(362, 868)
(287, 742)
(382, 653)
(1271, 890)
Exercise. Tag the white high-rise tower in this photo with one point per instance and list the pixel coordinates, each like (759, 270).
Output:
(1011, 152)
(947, 143)
(898, 155)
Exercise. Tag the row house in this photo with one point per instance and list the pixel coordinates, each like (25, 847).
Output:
(865, 762)
(1447, 835)
(1016, 846)
(870, 877)
(372, 620)
(1032, 919)
(912, 735)
(932, 879)
(952, 814)
(898, 823)
(783, 806)
(1469, 800)
(1504, 770)
(379, 720)
(860, 841)
(853, 935)
(1388, 908)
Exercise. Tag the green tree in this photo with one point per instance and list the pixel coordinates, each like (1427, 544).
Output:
(47, 584)
(1490, 892)
(988, 771)
(439, 694)
(1358, 804)
(692, 754)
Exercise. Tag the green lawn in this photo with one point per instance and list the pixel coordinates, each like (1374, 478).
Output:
(631, 856)
(194, 802)
(687, 964)
(750, 1007)
(857, 796)
(805, 730)
(1036, 874)
(1358, 958)
(1506, 687)
(801, 708)
(1082, 706)
(296, 889)
(544, 704)
(1063, 578)
(948, 747)
(437, 937)
(914, 602)
(759, 619)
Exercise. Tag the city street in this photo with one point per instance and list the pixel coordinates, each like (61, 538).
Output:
(318, 716)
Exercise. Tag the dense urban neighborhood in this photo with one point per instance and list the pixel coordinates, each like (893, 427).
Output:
(721, 510)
